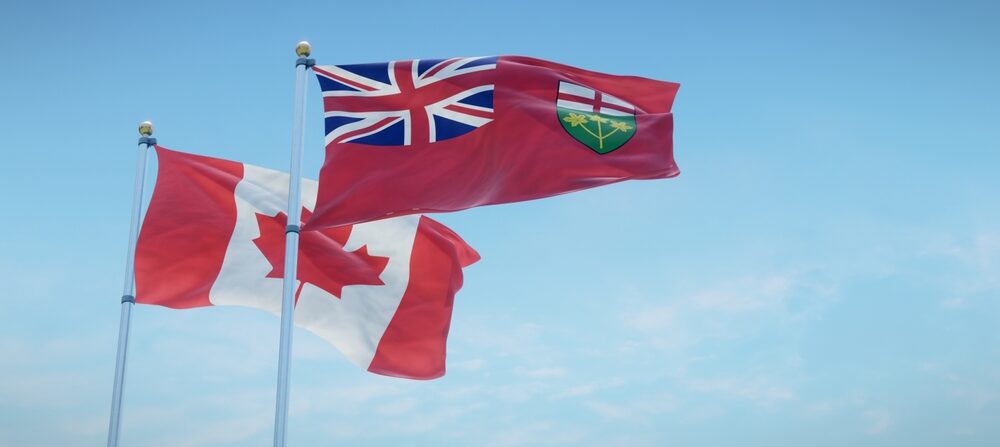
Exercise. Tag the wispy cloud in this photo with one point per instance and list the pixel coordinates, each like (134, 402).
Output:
(978, 256)
(637, 410)
(469, 365)
(346, 396)
(758, 389)
(745, 294)
(877, 421)
(954, 303)
(397, 407)
(520, 340)
(726, 309)
(977, 390)
(546, 372)
(534, 433)
(587, 389)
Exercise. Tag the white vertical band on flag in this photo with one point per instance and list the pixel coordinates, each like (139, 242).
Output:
(354, 322)
(242, 279)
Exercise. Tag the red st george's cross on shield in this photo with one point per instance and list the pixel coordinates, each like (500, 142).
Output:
(594, 99)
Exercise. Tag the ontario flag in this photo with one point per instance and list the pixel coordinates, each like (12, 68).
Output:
(436, 135)
(381, 292)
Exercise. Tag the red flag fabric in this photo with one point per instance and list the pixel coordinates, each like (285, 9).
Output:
(381, 292)
(418, 136)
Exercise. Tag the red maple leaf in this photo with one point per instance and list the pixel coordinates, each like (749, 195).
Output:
(323, 262)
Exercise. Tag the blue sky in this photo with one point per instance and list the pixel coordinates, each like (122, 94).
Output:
(825, 271)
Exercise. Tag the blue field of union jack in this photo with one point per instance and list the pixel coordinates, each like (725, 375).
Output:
(407, 102)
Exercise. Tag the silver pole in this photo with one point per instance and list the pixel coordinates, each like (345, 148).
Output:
(303, 49)
(128, 293)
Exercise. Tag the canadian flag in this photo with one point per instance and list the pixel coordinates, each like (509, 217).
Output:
(381, 292)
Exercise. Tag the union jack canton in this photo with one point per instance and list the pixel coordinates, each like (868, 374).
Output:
(406, 102)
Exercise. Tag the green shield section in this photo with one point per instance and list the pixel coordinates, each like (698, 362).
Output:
(601, 133)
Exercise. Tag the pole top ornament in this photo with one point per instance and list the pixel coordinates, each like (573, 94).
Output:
(146, 128)
(303, 49)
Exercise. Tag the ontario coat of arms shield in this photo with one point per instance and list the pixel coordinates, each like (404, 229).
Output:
(598, 120)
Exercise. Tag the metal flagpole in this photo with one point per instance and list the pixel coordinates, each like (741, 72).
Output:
(128, 294)
(302, 64)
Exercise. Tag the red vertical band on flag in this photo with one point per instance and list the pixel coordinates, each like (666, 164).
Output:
(189, 189)
(414, 345)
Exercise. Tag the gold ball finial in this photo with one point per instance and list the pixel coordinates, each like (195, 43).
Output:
(303, 49)
(146, 128)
